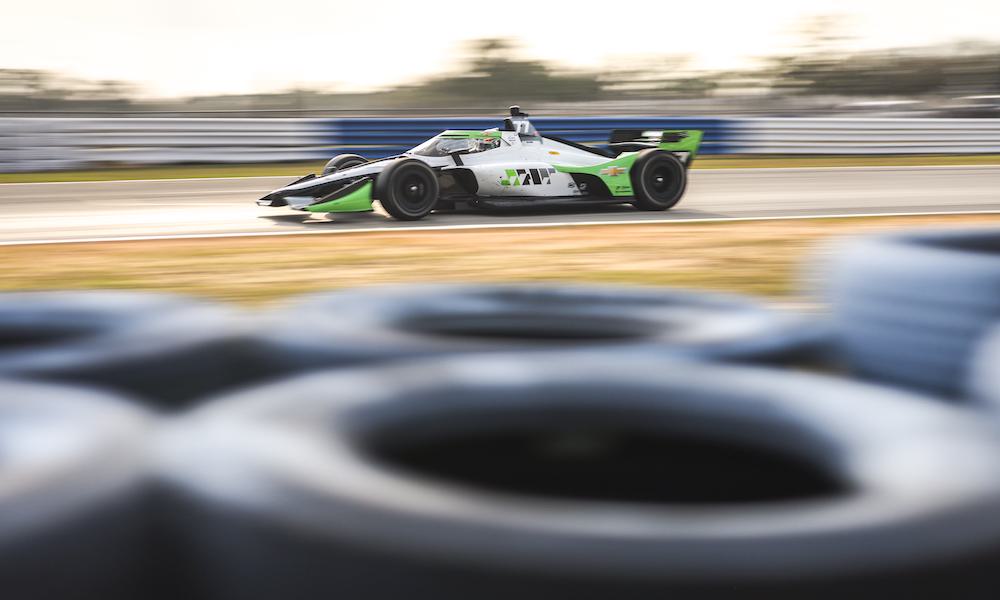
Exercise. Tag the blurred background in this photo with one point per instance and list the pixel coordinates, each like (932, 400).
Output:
(777, 57)
(157, 93)
(310, 64)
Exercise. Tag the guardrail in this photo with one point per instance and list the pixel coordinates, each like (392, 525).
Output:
(38, 144)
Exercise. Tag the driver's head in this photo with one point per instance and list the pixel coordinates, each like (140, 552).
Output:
(487, 144)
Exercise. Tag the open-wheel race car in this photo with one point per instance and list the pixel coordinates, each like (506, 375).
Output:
(511, 165)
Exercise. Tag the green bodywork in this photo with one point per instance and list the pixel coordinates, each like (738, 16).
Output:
(688, 144)
(616, 173)
(360, 200)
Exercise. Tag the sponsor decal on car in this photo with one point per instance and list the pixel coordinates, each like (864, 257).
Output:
(527, 177)
(614, 171)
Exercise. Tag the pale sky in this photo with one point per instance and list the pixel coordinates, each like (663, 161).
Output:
(183, 47)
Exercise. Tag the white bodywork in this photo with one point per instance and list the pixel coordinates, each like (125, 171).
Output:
(491, 167)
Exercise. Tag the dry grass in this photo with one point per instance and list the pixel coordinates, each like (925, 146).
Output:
(760, 257)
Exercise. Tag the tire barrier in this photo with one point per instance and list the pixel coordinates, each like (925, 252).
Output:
(984, 380)
(71, 493)
(501, 441)
(909, 308)
(390, 322)
(163, 348)
(585, 477)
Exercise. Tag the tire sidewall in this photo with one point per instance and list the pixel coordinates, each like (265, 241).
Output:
(649, 159)
(909, 308)
(743, 393)
(342, 161)
(370, 326)
(386, 193)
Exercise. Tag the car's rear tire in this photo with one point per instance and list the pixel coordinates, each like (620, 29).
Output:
(343, 161)
(408, 189)
(658, 180)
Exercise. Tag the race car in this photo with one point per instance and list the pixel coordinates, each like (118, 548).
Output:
(507, 166)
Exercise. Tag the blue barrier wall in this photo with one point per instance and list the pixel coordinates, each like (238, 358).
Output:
(38, 144)
(378, 137)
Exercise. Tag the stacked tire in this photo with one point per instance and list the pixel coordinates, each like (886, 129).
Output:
(372, 325)
(164, 349)
(501, 441)
(984, 377)
(910, 308)
(73, 477)
(575, 477)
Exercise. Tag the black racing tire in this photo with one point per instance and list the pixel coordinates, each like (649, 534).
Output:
(72, 494)
(561, 477)
(408, 189)
(376, 324)
(168, 350)
(984, 377)
(909, 308)
(343, 161)
(658, 180)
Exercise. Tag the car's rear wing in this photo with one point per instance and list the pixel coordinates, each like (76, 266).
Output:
(682, 142)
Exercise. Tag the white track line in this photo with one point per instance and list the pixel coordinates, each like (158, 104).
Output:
(474, 226)
(164, 180)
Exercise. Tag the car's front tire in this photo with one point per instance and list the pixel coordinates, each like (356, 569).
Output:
(408, 189)
(658, 180)
(343, 161)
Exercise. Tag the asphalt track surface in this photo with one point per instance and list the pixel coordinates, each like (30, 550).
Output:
(96, 211)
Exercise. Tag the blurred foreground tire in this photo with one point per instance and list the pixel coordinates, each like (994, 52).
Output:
(375, 324)
(162, 348)
(72, 464)
(569, 477)
(909, 308)
(984, 379)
